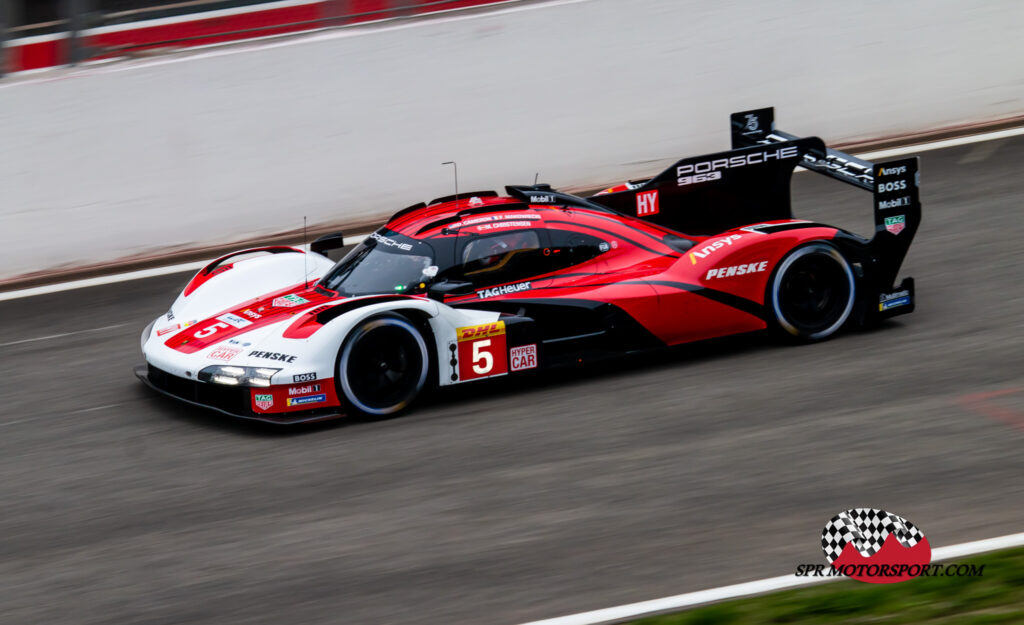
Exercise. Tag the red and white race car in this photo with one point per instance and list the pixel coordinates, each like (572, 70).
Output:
(480, 285)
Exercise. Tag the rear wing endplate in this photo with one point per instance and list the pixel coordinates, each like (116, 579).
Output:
(895, 185)
(751, 183)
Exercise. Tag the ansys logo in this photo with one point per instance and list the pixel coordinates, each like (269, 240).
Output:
(875, 546)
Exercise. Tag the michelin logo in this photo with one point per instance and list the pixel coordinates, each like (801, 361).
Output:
(308, 399)
(893, 300)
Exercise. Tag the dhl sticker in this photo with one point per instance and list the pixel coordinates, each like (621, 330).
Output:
(473, 333)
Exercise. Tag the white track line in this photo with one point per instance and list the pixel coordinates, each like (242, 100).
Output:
(161, 271)
(60, 336)
(736, 591)
(945, 143)
(119, 277)
(131, 275)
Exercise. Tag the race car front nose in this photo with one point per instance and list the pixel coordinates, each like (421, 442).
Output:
(146, 333)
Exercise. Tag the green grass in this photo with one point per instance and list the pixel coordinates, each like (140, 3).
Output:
(995, 598)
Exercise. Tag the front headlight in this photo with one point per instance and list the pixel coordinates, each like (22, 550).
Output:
(231, 375)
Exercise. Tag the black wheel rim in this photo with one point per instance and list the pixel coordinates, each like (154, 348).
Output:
(814, 293)
(384, 368)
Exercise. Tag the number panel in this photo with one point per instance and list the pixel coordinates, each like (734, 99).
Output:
(482, 351)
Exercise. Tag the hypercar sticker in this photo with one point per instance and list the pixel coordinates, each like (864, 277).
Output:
(223, 353)
(523, 357)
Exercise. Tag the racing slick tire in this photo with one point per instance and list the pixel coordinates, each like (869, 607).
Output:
(382, 366)
(812, 292)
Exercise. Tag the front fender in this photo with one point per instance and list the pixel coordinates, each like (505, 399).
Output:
(322, 331)
(244, 275)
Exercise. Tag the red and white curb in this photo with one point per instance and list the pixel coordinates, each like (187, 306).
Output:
(676, 603)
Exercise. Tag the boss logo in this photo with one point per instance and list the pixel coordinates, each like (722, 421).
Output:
(896, 185)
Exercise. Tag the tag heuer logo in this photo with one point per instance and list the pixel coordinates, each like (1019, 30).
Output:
(896, 224)
(288, 301)
(263, 402)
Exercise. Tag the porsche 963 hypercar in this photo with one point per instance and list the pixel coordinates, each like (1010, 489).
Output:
(478, 285)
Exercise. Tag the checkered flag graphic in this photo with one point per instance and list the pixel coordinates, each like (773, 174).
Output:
(867, 529)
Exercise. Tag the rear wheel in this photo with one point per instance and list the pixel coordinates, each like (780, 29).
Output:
(383, 365)
(812, 292)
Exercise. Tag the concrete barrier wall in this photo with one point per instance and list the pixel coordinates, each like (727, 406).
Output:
(131, 159)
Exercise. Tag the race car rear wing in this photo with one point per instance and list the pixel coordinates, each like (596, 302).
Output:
(751, 128)
(894, 185)
(751, 183)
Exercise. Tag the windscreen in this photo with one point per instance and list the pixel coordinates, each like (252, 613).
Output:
(384, 262)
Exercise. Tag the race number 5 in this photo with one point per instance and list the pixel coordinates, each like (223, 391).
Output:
(483, 361)
(210, 329)
(482, 350)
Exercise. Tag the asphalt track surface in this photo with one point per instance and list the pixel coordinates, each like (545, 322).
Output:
(498, 504)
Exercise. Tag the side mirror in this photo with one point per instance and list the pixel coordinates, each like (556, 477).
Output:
(327, 242)
(438, 290)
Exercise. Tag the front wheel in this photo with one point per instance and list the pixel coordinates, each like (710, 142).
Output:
(812, 292)
(383, 365)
